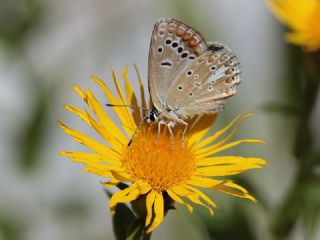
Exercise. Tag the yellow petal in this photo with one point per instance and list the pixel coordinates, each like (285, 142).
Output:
(104, 118)
(97, 171)
(107, 153)
(202, 195)
(225, 170)
(144, 187)
(222, 131)
(158, 208)
(288, 13)
(103, 131)
(114, 142)
(235, 190)
(142, 94)
(177, 199)
(229, 160)
(83, 157)
(131, 96)
(204, 182)
(127, 195)
(80, 113)
(201, 127)
(205, 152)
(149, 205)
(121, 176)
(96, 107)
(123, 100)
(110, 183)
(93, 163)
(79, 91)
(103, 168)
(122, 112)
(192, 196)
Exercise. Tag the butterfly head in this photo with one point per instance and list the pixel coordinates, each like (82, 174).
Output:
(153, 116)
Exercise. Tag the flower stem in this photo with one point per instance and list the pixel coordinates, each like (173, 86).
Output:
(297, 200)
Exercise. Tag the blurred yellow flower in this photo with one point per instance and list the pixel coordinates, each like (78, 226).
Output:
(154, 165)
(303, 17)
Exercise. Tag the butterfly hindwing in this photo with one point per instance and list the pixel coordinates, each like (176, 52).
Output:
(204, 84)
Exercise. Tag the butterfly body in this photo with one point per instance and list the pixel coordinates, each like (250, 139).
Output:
(188, 76)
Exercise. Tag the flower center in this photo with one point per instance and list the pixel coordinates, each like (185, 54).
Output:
(158, 160)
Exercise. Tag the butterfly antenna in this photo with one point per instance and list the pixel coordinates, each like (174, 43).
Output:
(125, 105)
(140, 123)
(137, 129)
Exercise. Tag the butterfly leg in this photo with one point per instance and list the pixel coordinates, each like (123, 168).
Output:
(184, 130)
(161, 122)
(170, 125)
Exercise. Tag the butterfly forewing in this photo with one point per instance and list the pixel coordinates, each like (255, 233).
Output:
(174, 46)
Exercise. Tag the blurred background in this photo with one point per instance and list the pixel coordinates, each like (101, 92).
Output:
(47, 46)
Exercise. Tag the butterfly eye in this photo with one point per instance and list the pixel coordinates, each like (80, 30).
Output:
(210, 88)
(180, 49)
(191, 94)
(196, 76)
(160, 49)
(152, 117)
(191, 57)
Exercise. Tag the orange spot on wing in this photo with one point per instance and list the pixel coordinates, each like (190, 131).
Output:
(229, 80)
(180, 31)
(187, 35)
(229, 71)
(194, 41)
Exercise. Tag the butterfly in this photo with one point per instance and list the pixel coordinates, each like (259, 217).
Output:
(187, 76)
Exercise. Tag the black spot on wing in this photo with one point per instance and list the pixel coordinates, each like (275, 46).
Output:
(166, 64)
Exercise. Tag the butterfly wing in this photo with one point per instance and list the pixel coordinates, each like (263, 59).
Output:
(173, 46)
(205, 84)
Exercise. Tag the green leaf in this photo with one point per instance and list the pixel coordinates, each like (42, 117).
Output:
(137, 231)
(122, 218)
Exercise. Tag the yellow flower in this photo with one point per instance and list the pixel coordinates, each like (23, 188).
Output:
(152, 164)
(303, 17)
